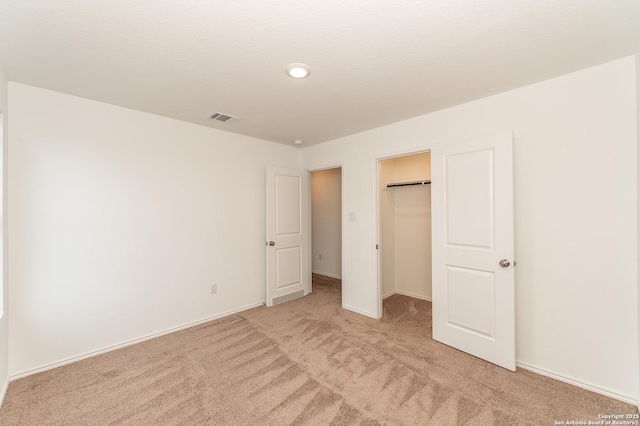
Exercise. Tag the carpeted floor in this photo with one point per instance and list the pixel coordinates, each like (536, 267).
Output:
(305, 362)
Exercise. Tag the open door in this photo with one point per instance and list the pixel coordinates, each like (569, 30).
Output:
(473, 248)
(288, 235)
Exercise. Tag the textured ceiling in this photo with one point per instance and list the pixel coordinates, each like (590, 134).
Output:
(373, 62)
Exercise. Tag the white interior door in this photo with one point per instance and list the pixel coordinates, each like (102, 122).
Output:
(288, 235)
(473, 253)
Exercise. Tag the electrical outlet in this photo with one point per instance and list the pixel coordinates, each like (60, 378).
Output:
(213, 288)
(320, 256)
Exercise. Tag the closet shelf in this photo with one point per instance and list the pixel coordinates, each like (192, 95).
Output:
(413, 183)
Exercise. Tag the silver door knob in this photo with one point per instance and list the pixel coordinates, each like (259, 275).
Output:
(505, 263)
(271, 243)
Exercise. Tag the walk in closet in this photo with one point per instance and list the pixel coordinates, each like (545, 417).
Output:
(405, 226)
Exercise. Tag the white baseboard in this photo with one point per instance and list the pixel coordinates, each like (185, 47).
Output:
(358, 311)
(405, 293)
(415, 296)
(327, 274)
(578, 383)
(127, 343)
(3, 392)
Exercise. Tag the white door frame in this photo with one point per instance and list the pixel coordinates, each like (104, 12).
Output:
(402, 152)
(328, 166)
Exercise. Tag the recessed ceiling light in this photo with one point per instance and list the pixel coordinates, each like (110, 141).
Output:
(297, 141)
(298, 70)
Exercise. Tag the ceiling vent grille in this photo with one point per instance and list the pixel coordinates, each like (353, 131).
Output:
(223, 118)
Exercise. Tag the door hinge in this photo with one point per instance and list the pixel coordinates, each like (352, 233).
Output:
(377, 246)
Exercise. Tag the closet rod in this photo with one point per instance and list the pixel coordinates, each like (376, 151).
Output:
(420, 182)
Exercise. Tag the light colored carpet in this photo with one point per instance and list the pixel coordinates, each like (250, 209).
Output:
(305, 362)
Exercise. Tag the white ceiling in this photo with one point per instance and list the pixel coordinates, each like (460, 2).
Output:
(373, 62)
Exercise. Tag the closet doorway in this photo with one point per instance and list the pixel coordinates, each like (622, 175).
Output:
(326, 232)
(404, 220)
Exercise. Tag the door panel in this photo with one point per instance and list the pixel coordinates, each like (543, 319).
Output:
(288, 263)
(479, 286)
(288, 235)
(288, 191)
(472, 204)
(469, 186)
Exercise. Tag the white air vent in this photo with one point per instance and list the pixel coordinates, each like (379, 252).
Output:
(223, 118)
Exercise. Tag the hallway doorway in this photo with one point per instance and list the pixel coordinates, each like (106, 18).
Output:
(326, 226)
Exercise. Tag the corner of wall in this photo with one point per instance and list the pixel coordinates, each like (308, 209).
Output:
(638, 201)
(4, 329)
(167, 234)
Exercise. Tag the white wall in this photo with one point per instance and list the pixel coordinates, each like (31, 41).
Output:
(413, 167)
(4, 314)
(576, 239)
(405, 227)
(326, 222)
(638, 188)
(119, 221)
